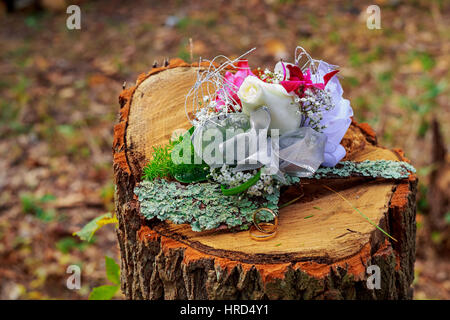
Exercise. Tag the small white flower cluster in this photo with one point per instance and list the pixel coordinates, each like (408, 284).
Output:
(207, 112)
(201, 116)
(271, 76)
(265, 185)
(312, 104)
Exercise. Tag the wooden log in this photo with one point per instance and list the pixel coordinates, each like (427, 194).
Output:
(322, 247)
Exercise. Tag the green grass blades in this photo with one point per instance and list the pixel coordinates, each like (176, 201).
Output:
(360, 213)
(162, 166)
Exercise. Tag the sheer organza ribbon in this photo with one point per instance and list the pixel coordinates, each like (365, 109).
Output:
(246, 143)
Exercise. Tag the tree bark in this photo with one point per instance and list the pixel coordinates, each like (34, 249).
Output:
(322, 248)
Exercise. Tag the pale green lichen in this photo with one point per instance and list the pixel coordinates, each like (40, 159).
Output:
(375, 169)
(200, 204)
(204, 207)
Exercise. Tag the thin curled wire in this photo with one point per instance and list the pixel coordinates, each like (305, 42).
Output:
(210, 80)
(299, 55)
(310, 63)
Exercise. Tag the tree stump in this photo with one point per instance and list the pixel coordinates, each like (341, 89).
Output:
(322, 248)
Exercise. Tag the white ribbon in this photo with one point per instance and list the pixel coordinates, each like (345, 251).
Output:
(297, 153)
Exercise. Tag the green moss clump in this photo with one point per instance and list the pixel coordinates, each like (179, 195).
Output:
(161, 164)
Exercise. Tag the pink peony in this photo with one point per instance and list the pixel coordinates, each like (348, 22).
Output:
(233, 83)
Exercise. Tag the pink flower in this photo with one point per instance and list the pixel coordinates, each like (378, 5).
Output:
(299, 82)
(233, 82)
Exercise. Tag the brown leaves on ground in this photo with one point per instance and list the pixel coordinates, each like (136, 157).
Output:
(59, 92)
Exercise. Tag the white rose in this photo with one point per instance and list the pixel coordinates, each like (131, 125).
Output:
(255, 93)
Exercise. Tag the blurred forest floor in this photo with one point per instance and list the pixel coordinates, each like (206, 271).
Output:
(59, 101)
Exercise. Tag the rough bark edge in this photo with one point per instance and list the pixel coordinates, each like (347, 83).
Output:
(125, 204)
(163, 268)
(155, 266)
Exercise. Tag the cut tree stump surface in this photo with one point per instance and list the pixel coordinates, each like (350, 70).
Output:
(322, 246)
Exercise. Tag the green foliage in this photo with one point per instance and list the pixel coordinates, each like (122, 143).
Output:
(423, 127)
(359, 57)
(34, 20)
(162, 166)
(193, 173)
(10, 111)
(112, 270)
(426, 60)
(66, 130)
(88, 231)
(107, 292)
(35, 206)
(351, 81)
(189, 172)
(67, 244)
(425, 102)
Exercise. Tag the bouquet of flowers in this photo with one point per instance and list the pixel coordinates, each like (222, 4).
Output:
(253, 132)
(286, 121)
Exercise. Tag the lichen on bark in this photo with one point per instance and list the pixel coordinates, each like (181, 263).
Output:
(201, 204)
(386, 169)
(204, 207)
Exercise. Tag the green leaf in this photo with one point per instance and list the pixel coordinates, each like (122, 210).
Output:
(103, 292)
(192, 176)
(87, 232)
(242, 187)
(112, 270)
